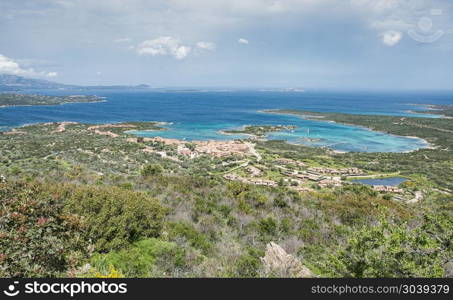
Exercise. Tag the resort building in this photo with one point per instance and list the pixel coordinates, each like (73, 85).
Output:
(387, 189)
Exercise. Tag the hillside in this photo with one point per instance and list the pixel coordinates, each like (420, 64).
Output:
(96, 200)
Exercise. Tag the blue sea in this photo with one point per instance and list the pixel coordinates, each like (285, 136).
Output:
(202, 115)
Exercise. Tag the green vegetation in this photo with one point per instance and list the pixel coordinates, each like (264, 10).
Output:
(48, 228)
(23, 99)
(145, 258)
(409, 252)
(81, 203)
(443, 110)
(260, 131)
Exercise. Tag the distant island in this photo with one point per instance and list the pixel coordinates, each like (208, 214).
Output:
(25, 100)
(259, 131)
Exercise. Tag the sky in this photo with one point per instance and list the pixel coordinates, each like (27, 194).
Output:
(311, 44)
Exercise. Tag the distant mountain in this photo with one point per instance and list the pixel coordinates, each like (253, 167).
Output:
(14, 82)
(113, 87)
(19, 83)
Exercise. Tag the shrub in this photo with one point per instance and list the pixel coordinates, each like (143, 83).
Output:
(268, 226)
(37, 237)
(195, 238)
(394, 250)
(115, 217)
(145, 258)
(280, 202)
(249, 263)
(152, 170)
(251, 198)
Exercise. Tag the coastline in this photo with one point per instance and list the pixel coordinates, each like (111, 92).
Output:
(323, 119)
(425, 144)
(55, 104)
(156, 123)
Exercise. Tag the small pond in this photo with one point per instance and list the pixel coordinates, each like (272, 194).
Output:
(391, 181)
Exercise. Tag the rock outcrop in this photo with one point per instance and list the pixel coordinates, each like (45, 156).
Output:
(278, 263)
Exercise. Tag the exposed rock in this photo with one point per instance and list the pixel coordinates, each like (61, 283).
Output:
(448, 267)
(278, 263)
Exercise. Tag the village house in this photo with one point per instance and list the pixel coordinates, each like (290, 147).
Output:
(258, 181)
(330, 171)
(387, 189)
(329, 183)
(255, 181)
(284, 161)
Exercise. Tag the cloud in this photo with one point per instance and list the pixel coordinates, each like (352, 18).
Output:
(10, 66)
(243, 41)
(170, 46)
(206, 45)
(391, 38)
(51, 74)
(163, 46)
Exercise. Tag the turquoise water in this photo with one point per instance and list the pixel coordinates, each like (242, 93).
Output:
(391, 181)
(308, 132)
(203, 115)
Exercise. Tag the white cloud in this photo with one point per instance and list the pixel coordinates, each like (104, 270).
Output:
(10, 66)
(51, 74)
(391, 38)
(170, 46)
(243, 41)
(163, 46)
(206, 45)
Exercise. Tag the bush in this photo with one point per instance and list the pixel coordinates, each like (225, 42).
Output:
(145, 258)
(152, 170)
(249, 263)
(193, 237)
(115, 217)
(394, 250)
(37, 237)
(253, 198)
(268, 226)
